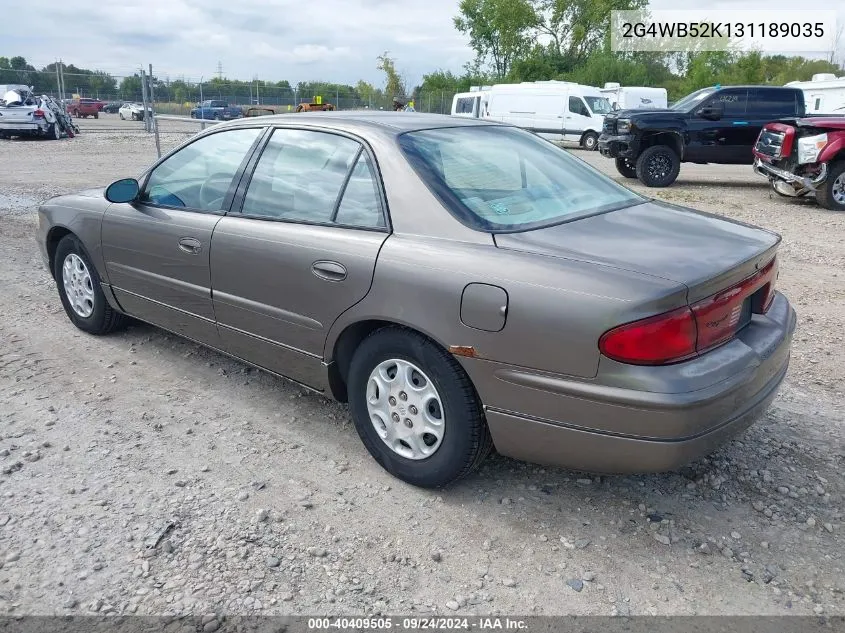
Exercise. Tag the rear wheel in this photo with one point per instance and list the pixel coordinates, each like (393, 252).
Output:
(831, 195)
(590, 141)
(54, 131)
(415, 409)
(80, 290)
(122, 118)
(626, 167)
(658, 166)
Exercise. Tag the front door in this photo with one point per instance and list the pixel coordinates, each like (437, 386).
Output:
(298, 249)
(723, 140)
(156, 250)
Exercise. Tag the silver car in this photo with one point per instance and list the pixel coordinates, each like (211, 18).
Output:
(461, 284)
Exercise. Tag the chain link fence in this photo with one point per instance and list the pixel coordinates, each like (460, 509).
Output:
(180, 95)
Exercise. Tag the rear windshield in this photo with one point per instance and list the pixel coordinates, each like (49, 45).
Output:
(502, 179)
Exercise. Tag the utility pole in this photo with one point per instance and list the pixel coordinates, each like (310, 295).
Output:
(144, 100)
(153, 122)
(58, 82)
(220, 70)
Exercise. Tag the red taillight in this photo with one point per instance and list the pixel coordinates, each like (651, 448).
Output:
(688, 331)
(657, 340)
(38, 114)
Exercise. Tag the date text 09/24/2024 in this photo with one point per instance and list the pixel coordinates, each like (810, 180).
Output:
(417, 624)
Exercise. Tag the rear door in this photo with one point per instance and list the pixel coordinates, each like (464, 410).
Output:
(578, 118)
(298, 249)
(156, 250)
(766, 105)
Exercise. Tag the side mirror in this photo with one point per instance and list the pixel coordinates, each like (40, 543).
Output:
(712, 112)
(122, 191)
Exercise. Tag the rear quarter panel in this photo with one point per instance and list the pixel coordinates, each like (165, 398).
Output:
(557, 308)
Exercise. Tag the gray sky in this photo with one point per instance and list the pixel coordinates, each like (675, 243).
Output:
(331, 40)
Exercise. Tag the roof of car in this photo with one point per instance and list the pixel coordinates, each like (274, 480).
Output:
(396, 122)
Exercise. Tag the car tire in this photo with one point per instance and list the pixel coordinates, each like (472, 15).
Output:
(626, 167)
(831, 195)
(590, 141)
(88, 310)
(658, 166)
(122, 118)
(465, 439)
(96, 115)
(134, 117)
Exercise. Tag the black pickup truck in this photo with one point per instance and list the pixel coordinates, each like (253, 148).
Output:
(712, 125)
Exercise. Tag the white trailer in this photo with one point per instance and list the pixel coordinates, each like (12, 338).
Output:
(558, 110)
(635, 97)
(823, 94)
(470, 104)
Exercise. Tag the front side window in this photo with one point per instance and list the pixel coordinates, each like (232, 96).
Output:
(199, 176)
(502, 179)
(692, 100)
(300, 176)
(577, 106)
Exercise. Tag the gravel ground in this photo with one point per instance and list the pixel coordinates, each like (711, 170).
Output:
(140, 473)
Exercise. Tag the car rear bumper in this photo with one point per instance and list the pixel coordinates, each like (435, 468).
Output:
(22, 127)
(618, 145)
(635, 425)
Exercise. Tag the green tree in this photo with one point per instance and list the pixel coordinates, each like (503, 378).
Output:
(394, 87)
(499, 31)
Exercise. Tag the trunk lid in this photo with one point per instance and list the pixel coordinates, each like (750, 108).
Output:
(704, 252)
(17, 114)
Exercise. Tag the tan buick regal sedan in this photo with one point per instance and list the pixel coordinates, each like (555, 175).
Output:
(461, 284)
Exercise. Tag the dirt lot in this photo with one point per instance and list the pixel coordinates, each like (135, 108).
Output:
(277, 508)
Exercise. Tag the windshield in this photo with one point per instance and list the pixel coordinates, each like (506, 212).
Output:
(502, 179)
(692, 100)
(599, 105)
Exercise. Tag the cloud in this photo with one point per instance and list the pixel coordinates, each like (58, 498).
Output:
(331, 40)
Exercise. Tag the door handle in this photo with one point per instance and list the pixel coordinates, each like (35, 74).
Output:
(190, 245)
(330, 271)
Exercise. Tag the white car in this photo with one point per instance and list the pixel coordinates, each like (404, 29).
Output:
(133, 111)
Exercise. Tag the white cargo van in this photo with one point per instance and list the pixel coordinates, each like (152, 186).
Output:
(558, 110)
(635, 97)
(824, 94)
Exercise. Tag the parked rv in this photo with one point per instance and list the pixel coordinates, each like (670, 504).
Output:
(558, 110)
(470, 104)
(824, 94)
(635, 97)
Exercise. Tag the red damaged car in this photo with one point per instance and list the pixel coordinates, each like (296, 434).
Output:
(803, 157)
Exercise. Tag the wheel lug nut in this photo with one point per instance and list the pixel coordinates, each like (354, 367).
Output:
(403, 395)
(413, 410)
(408, 423)
(392, 401)
(395, 417)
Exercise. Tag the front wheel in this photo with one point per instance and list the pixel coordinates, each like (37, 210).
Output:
(80, 290)
(122, 118)
(590, 141)
(415, 409)
(831, 195)
(626, 167)
(54, 131)
(134, 117)
(658, 166)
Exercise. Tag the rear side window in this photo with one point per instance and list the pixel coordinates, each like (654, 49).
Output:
(733, 101)
(464, 105)
(302, 174)
(767, 102)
